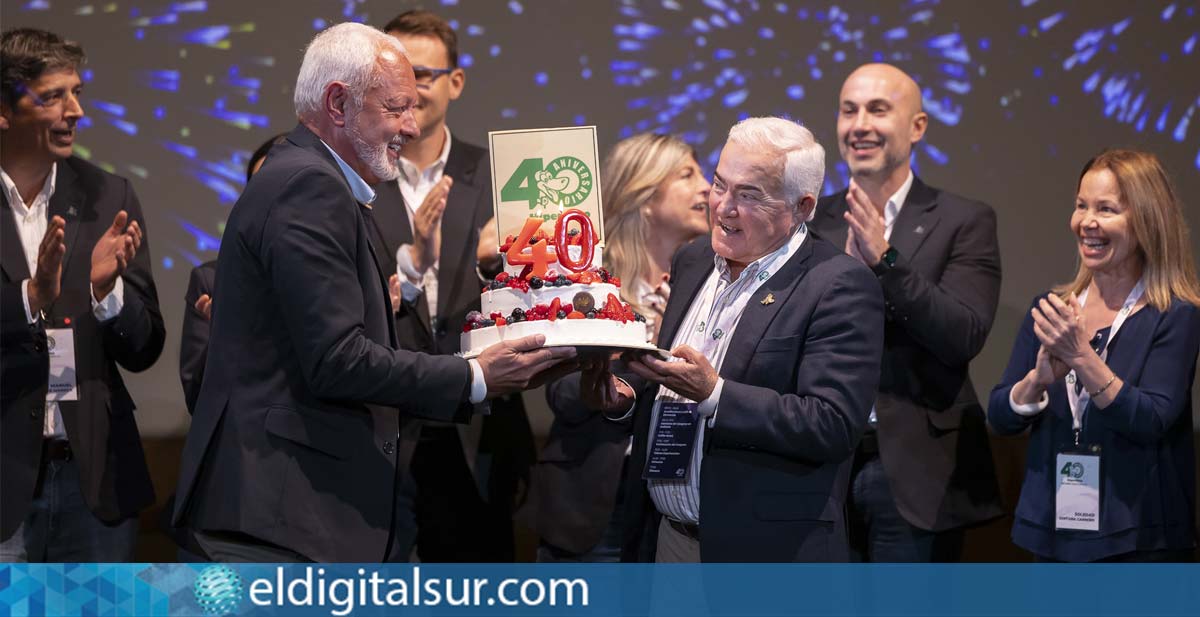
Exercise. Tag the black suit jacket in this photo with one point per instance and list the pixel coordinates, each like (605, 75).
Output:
(501, 441)
(800, 374)
(100, 425)
(193, 344)
(294, 438)
(941, 299)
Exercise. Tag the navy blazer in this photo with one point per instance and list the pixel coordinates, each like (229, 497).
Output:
(104, 437)
(800, 376)
(1147, 469)
(296, 438)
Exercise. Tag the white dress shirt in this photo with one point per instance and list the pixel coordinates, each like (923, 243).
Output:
(32, 220)
(415, 184)
(708, 327)
(891, 210)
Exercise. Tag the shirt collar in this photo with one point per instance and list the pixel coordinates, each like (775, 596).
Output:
(362, 191)
(411, 173)
(766, 262)
(14, 196)
(892, 209)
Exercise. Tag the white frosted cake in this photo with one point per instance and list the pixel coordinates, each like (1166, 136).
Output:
(578, 309)
(563, 294)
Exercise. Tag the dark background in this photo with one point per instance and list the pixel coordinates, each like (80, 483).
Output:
(1021, 93)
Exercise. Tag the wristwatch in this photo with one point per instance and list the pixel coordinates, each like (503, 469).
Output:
(887, 261)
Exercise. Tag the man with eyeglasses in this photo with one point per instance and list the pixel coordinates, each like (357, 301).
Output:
(429, 225)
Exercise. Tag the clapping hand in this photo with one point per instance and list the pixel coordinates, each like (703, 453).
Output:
(113, 253)
(204, 306)
(427, 225)
(394, 292)
(865, 239)
(1060, 328)
(46, 283)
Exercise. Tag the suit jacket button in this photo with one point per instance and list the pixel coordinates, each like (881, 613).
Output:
(388, 447)
(35, 410)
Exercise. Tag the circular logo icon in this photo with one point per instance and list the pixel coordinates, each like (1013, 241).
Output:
(1076, 471)
(218, 590)
(51, 343)
(571, 178)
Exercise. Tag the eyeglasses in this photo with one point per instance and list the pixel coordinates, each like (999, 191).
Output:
(427, 75)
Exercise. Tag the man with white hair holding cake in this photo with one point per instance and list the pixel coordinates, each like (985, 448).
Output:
(743, 440)
(297, 450)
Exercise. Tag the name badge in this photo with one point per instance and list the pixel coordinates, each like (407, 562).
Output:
(60, 342)
(674, 439)
(1077, 499)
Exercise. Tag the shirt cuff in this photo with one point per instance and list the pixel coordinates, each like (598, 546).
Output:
(405, 268)
(632, 406)
(29, 316)
(478, 385)
(111, 305)
(708, 407)
(1030, 409)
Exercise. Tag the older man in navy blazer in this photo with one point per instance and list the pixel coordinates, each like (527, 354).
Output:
(301, 436)
(776, 340)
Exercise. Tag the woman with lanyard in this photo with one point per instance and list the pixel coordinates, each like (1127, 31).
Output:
(1102, 373)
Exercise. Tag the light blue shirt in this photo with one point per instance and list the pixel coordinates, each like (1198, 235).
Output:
(362, 191)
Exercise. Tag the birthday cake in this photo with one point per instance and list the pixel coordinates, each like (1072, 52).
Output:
(563, 294)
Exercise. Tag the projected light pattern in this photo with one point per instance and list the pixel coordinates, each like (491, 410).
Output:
(696, 68)
(691, 68)
(1143, 97)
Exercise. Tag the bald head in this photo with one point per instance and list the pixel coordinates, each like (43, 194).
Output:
(880, 117)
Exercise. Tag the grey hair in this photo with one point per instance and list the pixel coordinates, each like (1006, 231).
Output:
(348, 52)
(804, 158)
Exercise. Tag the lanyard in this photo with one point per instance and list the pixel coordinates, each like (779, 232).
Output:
(1080, 400)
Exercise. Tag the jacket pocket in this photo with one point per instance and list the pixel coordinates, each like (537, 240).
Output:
(301, 429)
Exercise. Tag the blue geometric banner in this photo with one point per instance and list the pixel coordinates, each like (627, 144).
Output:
(215, 590)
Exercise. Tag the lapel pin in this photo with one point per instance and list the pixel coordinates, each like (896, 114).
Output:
(72, 211)
(920, 229)
(770, 299)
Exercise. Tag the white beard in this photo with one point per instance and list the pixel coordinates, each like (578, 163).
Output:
(374, 156)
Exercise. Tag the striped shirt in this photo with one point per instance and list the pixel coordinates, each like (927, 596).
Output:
(708, 327)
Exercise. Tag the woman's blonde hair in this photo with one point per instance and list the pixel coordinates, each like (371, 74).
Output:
(1157, 224)
(632, 173)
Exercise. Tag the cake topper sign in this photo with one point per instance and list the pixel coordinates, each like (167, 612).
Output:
(545, 174)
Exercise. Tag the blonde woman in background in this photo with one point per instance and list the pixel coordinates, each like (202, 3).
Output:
(656, 200)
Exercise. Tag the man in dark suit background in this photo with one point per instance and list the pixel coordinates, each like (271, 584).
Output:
(924, 469)
(197, 304)
(776, 337)
(76, 262)
(430, 220)
(297, 450)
